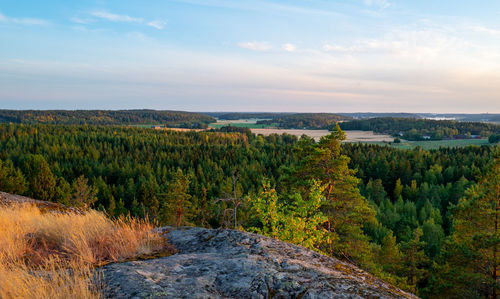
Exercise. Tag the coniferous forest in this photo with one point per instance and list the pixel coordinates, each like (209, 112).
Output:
(426, 221)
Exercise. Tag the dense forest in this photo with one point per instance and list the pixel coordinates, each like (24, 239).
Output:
(408, 216)
(421, 129)
(305, 121)
(107, 117)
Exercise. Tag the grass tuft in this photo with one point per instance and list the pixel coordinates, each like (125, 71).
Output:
(52, 255)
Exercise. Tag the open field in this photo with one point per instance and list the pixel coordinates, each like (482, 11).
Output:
(146, 126)
(436, 144)
(180, 129)
(352, 136)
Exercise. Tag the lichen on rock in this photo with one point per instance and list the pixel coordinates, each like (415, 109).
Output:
(233, 264)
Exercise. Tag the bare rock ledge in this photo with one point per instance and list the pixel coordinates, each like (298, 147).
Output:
(234, 264)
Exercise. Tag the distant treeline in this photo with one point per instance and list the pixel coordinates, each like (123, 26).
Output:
(245, 115)
(422, 129)
(107, 117)
(310, 121)
(362, 115)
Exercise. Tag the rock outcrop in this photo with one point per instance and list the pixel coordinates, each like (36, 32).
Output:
(44, 206)
(235, 264)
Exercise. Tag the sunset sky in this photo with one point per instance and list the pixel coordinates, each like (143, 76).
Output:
(222, 55)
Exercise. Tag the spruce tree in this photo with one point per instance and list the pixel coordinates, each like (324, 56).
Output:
(474, 249)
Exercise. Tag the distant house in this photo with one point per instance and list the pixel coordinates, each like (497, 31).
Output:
(475, 136)
(426, 137)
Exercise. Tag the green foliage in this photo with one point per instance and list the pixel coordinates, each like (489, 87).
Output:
(268, 211)
(299, 221)
(433, 237)
(42, 183)
(389, 255)
(415, 263)
(11, 178)
(494, 138)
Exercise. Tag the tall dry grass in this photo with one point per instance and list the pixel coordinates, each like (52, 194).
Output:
(52, 255)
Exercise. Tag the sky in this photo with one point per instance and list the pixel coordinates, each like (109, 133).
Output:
(251, 55)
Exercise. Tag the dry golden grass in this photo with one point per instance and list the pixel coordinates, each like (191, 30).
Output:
(52, 280)
(52, 255)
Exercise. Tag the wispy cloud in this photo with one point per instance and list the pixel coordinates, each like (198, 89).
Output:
(337, 48)
(158, 24)
(258, 5)
(80, 21)
(289, 47)
(482, 29)
(417, 45)
(115, 17)
(382, 4)
(255, 46)
(22, 21)
(137, 35)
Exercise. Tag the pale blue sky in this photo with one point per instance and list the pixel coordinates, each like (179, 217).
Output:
(259, 55)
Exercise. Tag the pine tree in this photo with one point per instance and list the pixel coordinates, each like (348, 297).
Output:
(414, 260)
(177, 202)
(83, 196)
(346, 209)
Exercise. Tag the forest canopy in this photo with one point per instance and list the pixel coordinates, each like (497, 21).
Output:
(392, 212)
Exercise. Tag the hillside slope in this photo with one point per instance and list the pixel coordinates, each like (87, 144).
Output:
(234, 264)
